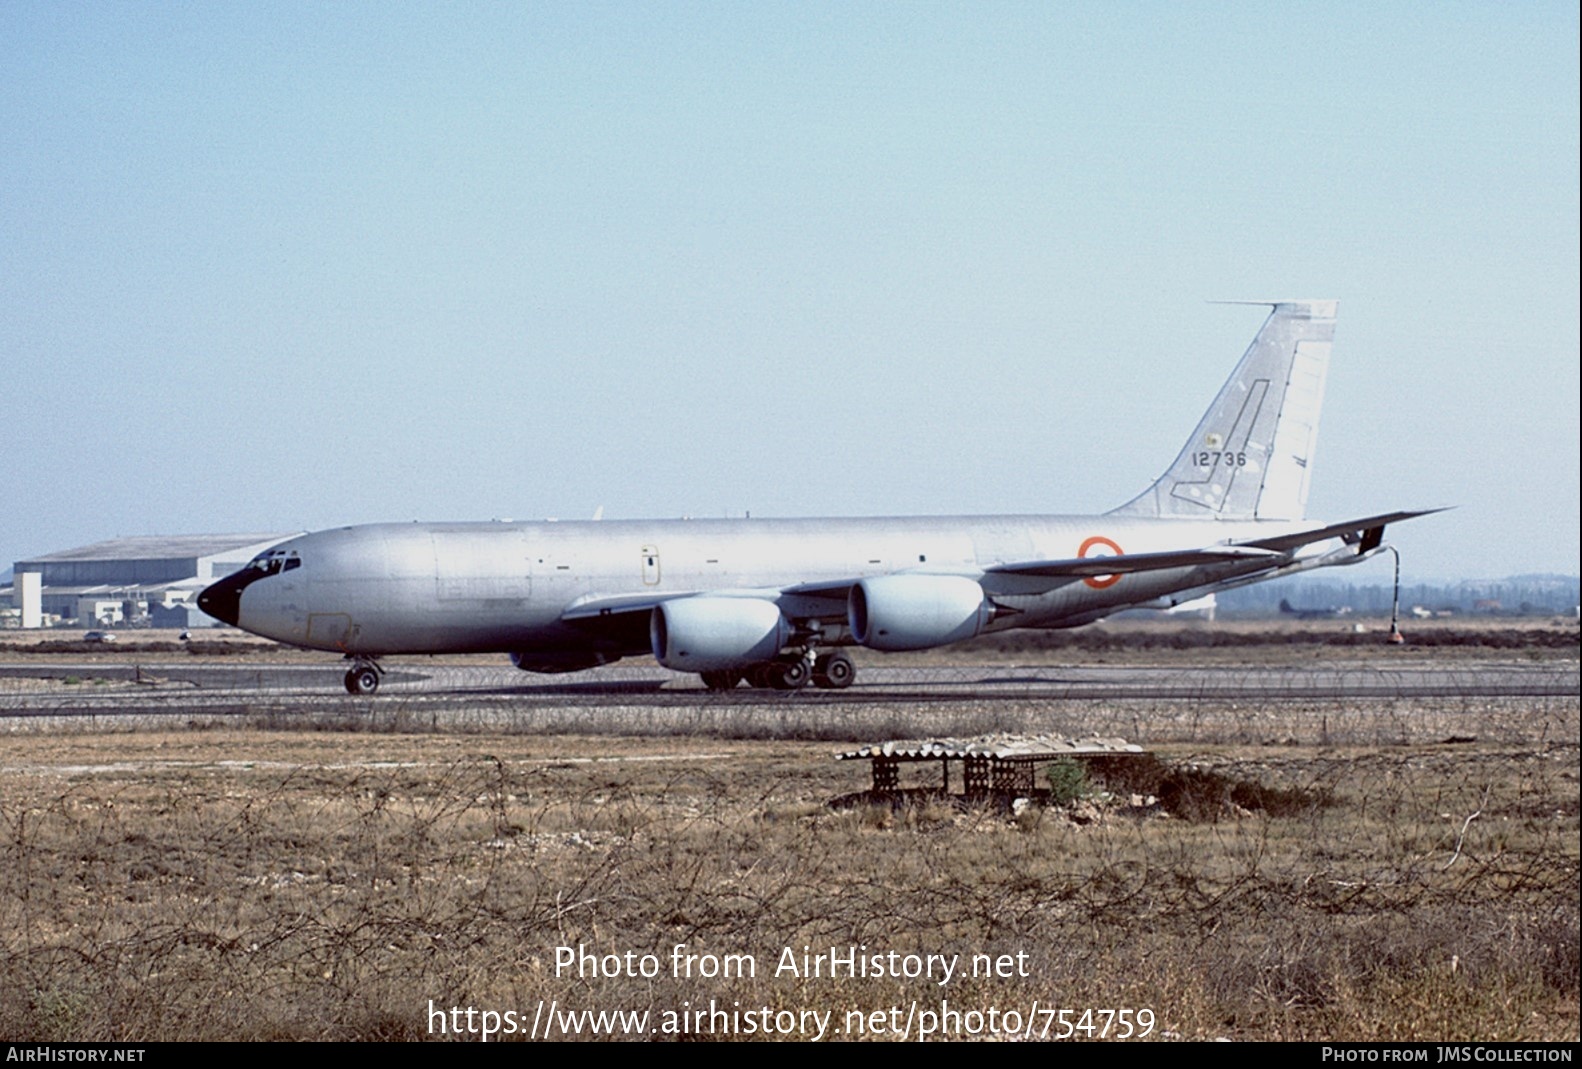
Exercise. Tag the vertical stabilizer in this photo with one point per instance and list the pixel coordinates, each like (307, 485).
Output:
(1252, 452)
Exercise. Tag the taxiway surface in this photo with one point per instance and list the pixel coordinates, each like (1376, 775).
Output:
(225, 689)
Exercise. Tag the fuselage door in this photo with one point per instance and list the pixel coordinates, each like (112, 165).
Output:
(650, 565)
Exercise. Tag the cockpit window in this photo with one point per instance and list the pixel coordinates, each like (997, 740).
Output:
(264, 564)
(272, 561)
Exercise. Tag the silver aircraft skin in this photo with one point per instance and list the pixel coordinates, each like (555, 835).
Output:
(773, 601)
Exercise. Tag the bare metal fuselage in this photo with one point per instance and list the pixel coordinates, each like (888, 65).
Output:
(504, 587)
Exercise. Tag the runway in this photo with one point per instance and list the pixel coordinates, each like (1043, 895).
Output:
(99, 690)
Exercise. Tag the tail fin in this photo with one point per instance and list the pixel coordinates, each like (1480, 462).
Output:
(1252, 453)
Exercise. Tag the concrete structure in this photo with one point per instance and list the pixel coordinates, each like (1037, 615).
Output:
(140, 580)
(29, 587)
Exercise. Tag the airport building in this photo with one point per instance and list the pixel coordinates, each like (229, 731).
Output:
(150, 580)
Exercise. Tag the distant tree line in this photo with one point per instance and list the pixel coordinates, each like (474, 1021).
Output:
(1522, 595)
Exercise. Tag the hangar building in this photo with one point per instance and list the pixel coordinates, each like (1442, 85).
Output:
(145, 580)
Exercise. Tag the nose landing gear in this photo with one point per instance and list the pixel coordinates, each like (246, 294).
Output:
(362, 678)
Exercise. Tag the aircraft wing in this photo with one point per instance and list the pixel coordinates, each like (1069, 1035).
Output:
(1087, 567)
(591, 608)
(837, 588)
(597, 606)
(1369, 529)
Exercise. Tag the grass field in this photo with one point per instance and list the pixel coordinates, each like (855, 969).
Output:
(1261, 876)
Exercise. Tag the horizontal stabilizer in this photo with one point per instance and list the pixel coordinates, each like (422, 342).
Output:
(1358, 529)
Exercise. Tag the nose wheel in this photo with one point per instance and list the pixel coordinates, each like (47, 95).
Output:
(362, 678)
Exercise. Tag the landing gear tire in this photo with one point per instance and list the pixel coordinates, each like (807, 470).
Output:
(790, 675)
(362, 680)
(834, 671)
(725, 679)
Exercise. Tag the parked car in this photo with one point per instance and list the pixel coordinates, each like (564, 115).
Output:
(99, 636)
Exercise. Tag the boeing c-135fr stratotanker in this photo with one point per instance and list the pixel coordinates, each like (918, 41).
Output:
(774, 601)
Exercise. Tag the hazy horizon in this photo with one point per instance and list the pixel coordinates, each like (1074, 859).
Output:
(288, 266)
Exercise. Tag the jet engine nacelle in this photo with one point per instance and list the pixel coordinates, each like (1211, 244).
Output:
(710, 634)
(916, 612)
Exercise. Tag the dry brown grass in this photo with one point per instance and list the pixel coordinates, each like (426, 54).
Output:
(254, 884)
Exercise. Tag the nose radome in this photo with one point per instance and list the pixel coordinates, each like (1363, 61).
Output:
(223, 600)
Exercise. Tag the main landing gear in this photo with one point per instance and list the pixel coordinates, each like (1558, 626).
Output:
(362, 678)
(834, 671)
(827, 671)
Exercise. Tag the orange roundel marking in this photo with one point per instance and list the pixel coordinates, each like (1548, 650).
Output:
(1099, 582)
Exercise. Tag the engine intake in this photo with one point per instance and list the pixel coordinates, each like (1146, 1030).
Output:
(707, 634)
(916, 612)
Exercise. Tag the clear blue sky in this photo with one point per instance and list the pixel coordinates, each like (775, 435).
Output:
(277, 267)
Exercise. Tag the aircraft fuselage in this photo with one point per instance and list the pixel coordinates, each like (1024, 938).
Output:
(505, 587)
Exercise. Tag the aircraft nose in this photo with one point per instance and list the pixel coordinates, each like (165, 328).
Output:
(223, 600)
